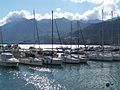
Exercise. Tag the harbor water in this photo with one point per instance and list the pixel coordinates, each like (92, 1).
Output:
(90, 76)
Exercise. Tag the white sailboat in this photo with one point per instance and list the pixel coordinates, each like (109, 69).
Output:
(51, 60)
(74, 58)
(116, 55)
(31, 58)
(101, 56)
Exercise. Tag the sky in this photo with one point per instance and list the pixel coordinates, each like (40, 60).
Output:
(70, 9)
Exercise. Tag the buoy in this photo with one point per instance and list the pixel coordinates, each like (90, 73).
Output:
(107, 84)
(112, 84)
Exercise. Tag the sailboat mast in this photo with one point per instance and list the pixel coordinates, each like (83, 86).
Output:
(118, 30)
(34, 27)
(36, 30)
(82, 36)
(52, 33)
(102, 35)
(112, 28)
(58, 32)
(1, 34)
(71, 38)
(78, 36)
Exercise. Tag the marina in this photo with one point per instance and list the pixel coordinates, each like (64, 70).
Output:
(38, 70)
(60, 45)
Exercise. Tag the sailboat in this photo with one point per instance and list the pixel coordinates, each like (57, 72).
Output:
(103, 55)
(116, 55)
(74, 58)
(54, 59)
(31, 57)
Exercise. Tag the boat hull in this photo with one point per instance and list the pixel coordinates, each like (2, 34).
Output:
(116, 58)
(52, 61)
(9, 64)
(29, 61)
(73, 59)
(106, 59)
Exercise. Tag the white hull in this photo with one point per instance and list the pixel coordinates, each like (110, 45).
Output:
(31, 61)
(8, 60)
(52, 61)
(74, 59)
(83, 60)
(71, 60)
(101, 56)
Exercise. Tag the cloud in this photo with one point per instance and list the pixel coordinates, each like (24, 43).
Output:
(94, 13)
(17, 15)
(58, 9)
(96, 1)
(106, 5)
(90, 1)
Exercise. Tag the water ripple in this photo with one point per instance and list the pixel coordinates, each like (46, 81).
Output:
(93, 76)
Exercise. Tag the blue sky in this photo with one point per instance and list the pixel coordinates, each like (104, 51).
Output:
(43, 6)
(70, 9)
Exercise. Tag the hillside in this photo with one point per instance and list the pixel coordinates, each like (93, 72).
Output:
(109, 31)
(21, 30)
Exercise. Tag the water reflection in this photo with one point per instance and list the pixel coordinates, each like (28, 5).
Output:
(42, 78)
(91, 76)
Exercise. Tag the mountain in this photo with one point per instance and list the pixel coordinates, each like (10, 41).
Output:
(22, 30)
(15, 31)
(108, 31)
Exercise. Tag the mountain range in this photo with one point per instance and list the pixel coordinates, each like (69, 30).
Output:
(21, 30)
(106, 32)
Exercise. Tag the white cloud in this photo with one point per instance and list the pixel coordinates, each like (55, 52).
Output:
(90, 1)
(15, 15)
(106, 5)
(96, 1)
(58, 9)
(95, 13)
